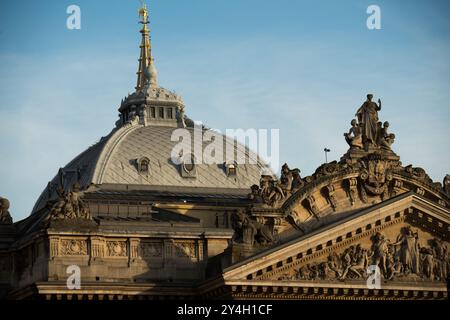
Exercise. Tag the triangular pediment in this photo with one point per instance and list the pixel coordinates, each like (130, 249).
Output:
(407, 237)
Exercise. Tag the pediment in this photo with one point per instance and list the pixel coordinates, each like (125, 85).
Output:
(407, 238)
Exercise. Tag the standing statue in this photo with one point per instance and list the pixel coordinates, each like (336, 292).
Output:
(368, 118)
(5, 217)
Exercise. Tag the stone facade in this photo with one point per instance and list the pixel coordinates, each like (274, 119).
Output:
(139, 227)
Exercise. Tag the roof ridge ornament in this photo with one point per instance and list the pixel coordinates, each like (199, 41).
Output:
(147, 73)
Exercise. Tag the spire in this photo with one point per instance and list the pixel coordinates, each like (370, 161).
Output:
(147, 73)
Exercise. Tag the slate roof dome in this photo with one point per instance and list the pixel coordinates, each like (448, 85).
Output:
(138, 153)
(115, 160)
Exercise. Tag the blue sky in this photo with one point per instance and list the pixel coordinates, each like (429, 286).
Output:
(301, 66)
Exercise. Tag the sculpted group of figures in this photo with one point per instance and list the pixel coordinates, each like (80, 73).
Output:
(368, 135)
(368, 131)
(69, 205)
(402, 258)
(271, 191)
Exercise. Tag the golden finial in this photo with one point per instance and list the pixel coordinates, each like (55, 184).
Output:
(143, 13)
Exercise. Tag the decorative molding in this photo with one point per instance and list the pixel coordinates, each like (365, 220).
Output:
(117, 248)
(73, 247)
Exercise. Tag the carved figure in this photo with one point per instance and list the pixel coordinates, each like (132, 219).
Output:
(385, 139)
(354, 136)
(409, 249)
(380, 251)
(297, 181)
(286, 179)
(272, 192)
(249, 231)
(70, 205)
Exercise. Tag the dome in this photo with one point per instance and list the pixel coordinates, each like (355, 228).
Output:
(114, 162)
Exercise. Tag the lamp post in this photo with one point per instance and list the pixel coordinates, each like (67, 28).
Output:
(326, 150)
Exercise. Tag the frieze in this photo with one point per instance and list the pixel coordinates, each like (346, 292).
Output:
(402, 258)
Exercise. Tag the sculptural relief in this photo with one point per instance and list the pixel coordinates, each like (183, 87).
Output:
(375, 176)
(116, 248)
(73, 247)
(401, 259)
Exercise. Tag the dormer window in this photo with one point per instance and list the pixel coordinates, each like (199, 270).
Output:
(231, 168)
(143, 165)
(169, 113)
(188, 168)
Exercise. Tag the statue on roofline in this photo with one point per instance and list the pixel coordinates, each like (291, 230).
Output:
(5, 217)
(368, 118)
(366, 131)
